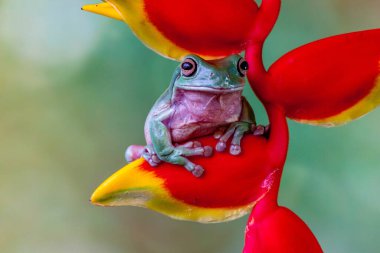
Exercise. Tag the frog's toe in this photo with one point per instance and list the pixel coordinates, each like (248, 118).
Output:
(151, 157)
(221, 146)
(151, 162)
(207, 151)
(219, 133)
(199, 151)
(235, 149)
(155, 159)
(190, 144)
(197, 144)
(198, 171)
(267, 130)
(259, 130)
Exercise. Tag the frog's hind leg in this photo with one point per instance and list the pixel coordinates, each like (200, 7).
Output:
(134, 152)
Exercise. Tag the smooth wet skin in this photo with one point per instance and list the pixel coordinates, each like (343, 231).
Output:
(204, 97)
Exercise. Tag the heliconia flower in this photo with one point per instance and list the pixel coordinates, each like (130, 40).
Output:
(174, 29)
(229, 189)
(328, 82)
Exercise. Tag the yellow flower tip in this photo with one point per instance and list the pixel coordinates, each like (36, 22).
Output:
(129, 186)
(135, 186)
(97, 199)
(104, 9)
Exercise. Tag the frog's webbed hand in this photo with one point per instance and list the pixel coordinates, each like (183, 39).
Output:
(237, 130)
(165, 151)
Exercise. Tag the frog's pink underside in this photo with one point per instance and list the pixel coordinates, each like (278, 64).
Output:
(196, 113)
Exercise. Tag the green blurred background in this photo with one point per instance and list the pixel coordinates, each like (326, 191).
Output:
(75, 89)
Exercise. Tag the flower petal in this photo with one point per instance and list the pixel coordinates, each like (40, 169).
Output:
(104, 9)
(330, 81)
(211, 29)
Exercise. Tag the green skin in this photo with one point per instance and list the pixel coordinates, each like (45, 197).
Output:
(208, 101)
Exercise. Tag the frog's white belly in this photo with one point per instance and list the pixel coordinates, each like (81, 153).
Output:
(201, 113)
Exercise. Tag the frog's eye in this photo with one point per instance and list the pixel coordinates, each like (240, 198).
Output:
(188, 67)
(242, 67)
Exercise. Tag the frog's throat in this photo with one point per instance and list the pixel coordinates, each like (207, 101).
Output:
(210, 89)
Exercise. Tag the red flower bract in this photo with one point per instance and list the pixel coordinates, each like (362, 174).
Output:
(204, 27)
(229, 181)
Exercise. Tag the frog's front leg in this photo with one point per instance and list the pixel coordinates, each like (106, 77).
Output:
(237, 130)
(165, 150)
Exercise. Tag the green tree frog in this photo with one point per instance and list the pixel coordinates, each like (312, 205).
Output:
(203, 98)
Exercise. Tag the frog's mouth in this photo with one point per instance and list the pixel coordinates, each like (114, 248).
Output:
(212, 89)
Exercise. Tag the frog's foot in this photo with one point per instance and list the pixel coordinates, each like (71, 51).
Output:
(195, 169)
(151, 157)
(133, 152)
(198, 171)
(236, 131)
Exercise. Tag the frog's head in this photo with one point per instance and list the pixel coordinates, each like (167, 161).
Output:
(222, 75)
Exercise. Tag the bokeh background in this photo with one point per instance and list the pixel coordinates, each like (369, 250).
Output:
(75, 89)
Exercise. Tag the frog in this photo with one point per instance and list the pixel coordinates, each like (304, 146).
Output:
(203, 98)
